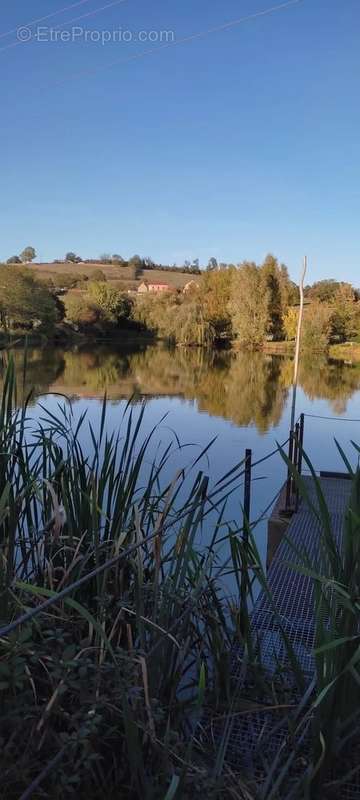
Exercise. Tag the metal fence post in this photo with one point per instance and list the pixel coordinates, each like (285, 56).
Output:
(247, 488)
(301, 442)
(299, 455)
(289, 475)
(244, 613)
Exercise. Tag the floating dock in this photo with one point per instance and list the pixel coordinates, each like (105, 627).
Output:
(258, 738)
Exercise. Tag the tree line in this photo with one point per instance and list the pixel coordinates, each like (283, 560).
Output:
(248, 304)
(252, 304)
(136, 262)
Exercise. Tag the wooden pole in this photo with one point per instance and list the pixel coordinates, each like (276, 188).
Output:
(298, 343)
(294, 386)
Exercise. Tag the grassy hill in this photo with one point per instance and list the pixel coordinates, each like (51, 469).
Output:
(123, 276)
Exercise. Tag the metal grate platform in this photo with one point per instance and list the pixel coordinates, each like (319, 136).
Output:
(257, 739)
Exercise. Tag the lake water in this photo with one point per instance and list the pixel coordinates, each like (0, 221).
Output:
(241, 399)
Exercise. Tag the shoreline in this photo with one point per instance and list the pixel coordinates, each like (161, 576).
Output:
(348, 351)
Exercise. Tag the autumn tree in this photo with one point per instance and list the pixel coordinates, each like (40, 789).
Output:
(323, 291)
(249, 304)
(113, 304)
(345, 311)
(317, 326)
(290, 293)
(290, 323)
(80, 310)
(28, 255)
(24, 301)
(215, 294)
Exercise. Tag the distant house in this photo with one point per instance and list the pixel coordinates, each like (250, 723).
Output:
(153, 288)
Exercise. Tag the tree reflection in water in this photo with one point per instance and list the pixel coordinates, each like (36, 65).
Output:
(245, 388)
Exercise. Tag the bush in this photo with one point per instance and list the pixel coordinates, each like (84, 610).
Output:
(98, 275)
(66, 280)
(317, 326)
(113, 304)
(25, 302)
(290, 323)
(80, 310)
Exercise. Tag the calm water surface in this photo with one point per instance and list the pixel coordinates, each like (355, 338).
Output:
(241, 399)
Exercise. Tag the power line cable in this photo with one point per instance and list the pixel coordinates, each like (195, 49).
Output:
(332, 419)
(43, 19)
(26, 28)
(184, 40)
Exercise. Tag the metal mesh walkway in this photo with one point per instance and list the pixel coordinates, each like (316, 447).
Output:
(252, 742)
(291, 591)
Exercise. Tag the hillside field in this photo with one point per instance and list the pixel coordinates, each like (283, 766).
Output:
(122, 276)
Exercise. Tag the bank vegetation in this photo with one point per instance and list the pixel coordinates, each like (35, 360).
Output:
(248, 306)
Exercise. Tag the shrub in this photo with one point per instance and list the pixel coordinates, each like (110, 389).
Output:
(25, 302)
(98, 275)
(317, 326)
(113, 304)
(80, 310)
(290, 323)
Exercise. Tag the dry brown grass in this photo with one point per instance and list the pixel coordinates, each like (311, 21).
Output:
(123, 275)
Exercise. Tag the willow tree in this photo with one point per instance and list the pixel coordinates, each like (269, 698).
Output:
(249, 305)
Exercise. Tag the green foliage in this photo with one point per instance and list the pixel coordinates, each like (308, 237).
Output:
(214, 295)
(111, 675)
(72, 257)
(275, 288)
(66, 280)
(14, 260)
(249, 305)
(28, 255)
(290, 323)
(117, 686)
(345, 313)
(113, 304)
(24, 301)
(181, 319)
(317, 326)
(323, 291)
(80, 310)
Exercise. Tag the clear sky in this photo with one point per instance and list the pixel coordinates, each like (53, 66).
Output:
(241, 142)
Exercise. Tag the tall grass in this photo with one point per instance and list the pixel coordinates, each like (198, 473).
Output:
(121, 629)
(117, 640)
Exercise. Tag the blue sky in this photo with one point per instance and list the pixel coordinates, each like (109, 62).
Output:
(239, 143)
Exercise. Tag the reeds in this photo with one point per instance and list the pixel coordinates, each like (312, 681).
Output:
(117, 639)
